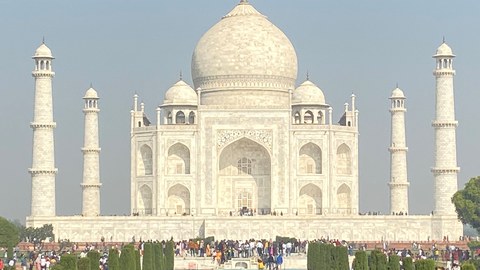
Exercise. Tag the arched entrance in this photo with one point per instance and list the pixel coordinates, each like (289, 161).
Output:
(244, 178)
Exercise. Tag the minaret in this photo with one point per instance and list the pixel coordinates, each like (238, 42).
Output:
(43, 169)
(91, 155)
(445, 170)
(398, 155)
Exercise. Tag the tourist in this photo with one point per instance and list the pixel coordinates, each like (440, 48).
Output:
(1, 264)
(23, 262)
(260, 264)
(279, 261)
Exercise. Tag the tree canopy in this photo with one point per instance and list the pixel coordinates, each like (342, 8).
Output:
(467, 203)
(9, 235)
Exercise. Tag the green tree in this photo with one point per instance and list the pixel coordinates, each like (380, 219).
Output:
(94, 257)
(84, 264)
(373, 259)
(169, 255)
(468, 266)
(407, 263)
(467, 203)
(314, 258)
(393, 262)
(342, 258)
(137, 259)
(9, 234)
(127, 258)
(113, 259)
(361, 260)
(37, 235)
(148, 263)
(425, 264)
(68, 262)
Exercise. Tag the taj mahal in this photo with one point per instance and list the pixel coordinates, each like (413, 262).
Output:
(245, 152)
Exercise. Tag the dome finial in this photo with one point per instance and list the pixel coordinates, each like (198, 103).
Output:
(308, 76)
(181, 75)
(443, 39)
(243, 1)
(43, 40)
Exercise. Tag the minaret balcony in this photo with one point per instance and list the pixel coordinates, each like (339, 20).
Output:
(444, 124)
(34, 172)
(88, 185)
(43, 73)
(444, 72)
(437, 170)
(399, 184)
(91, 110)
(36, 125)
(394, 149)
(91, 149)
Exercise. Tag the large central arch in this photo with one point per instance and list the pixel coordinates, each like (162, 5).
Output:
(244, 167)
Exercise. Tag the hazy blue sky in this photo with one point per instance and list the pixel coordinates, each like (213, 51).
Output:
(123, 47)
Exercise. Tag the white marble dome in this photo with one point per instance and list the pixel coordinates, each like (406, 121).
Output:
(397, 93)
(43, 51)
(180, 94)
(444, 50)
(244, 50)
(308, 93)
(91, 94)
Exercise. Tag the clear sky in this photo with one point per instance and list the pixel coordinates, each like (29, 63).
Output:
(123, 47)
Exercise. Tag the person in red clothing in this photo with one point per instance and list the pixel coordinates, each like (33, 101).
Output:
(1, 264)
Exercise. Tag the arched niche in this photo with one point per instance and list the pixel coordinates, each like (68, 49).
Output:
(344, 160)
(145, 161)
(310, 159)
(344, 200)
(144, 200)
(178, 161)
(310, 200)
(179, 200)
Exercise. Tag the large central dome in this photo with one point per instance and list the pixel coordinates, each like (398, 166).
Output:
(244, 53)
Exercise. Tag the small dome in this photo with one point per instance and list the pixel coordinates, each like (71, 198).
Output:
(91, 94)
(444, 50)
(180, 94)
(308, 93)
(43, 51)
(397, 93)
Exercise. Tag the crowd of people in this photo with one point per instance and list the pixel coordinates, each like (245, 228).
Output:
(269, 254)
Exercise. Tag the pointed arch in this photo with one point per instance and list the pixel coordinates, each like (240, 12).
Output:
(308, 117)
(344, 199)
(180, 118)
(179, 199)
(344, 160)
(244, 166)
(145, 161)
(144, 200)
(310, 200)
(191, 118)
(310, 159)
(296, 118)
(320, 118)
(178, 161)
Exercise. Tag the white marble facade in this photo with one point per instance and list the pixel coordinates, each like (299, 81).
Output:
(244, 139)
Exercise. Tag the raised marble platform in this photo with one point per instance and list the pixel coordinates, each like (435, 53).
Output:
(352, 228)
